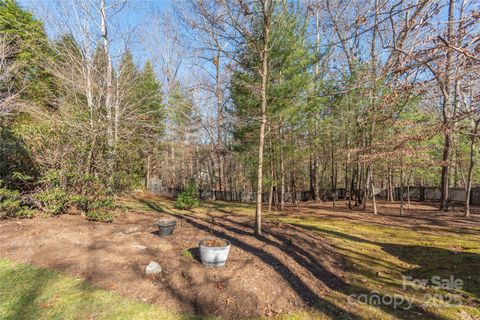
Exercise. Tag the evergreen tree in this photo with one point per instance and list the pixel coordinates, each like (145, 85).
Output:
(149, 91)
(289, 83)
(32, 51)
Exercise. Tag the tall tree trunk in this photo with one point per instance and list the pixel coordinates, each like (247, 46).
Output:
(334, 173)
(108, 95)
(292, 187)
(445, 170)
(447, 97)
(408, 195)
(390, 188)
(371, 185)
(147, 175)
(358, 183)
(270, 191)
(219, 96)
(401, 187)
(468, 188)
(352, 187)
(282, 178)
(372, 188)
(263, 115)
(313, 178)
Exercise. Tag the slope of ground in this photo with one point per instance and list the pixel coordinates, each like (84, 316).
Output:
(314, 261)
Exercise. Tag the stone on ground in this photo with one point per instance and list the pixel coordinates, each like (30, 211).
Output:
(153, 268)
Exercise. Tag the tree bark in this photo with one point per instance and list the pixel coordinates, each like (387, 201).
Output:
(446, 114)
(270, 191)
(108, 95)
(282, 178)
(263, 115)
(401, 188)
(372, 188)
(468, 188)
(219, 96)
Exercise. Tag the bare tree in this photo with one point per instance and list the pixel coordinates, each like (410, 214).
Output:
(202, 21)
(8, 70)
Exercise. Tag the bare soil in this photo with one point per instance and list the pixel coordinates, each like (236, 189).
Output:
(290, 268)
(284, 271)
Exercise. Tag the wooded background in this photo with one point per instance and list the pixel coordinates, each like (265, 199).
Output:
(240, 96)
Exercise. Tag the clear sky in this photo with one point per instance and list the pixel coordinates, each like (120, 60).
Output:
(136, 16)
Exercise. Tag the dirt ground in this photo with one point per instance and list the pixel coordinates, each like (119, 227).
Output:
(285, 271)
(289, 269)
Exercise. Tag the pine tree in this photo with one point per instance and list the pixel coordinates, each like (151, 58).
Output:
(32, 51)
(149, 91)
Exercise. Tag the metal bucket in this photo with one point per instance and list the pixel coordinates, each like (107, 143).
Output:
(166, 227)
(214, 256)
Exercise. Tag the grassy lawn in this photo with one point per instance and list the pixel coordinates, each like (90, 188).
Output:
(34, 293)
(375, 257)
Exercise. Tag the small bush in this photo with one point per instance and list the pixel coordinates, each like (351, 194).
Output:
(25, 213)
(100, 216)
(11, 204)
(188, 198)
(106, 203)
(8, 194)
(8, 207)
(187, 254)
(54, 201)
(79, 201)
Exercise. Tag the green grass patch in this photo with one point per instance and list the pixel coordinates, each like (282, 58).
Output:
(28, 292)
(378, 256)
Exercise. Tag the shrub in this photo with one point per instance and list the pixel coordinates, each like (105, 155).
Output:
(25, 213)
(188, 198)
(105, 203)
(79, 201)
(11, 204)
(88, 203)
(187, 253)
(53, 201)
(9, 207)
(99, 215)
(56, 201)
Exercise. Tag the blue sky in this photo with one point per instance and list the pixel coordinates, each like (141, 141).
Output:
(136, 14)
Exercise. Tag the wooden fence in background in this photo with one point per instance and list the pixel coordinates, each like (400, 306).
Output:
(415, 193)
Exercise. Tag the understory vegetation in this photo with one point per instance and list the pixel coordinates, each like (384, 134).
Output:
(188, 198)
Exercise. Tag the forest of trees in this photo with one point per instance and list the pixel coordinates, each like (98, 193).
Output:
(253, 96)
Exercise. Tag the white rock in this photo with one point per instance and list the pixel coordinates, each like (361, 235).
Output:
(153, 268)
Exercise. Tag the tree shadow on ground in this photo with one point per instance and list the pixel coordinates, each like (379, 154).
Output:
(413, 218)
(439, 262)
(234, 235)
(24, 305)
(310, 255)
(429, 261)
